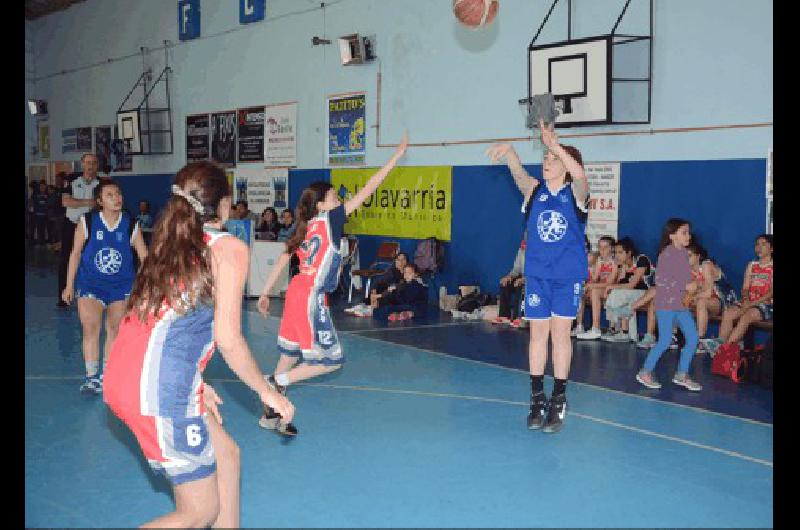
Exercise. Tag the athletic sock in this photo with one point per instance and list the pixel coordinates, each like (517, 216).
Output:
(537, 384)
(91, 368)
(282, 379)
(560, 387)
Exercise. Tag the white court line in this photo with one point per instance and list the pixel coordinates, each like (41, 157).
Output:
(525, 404)
(492, 400)
(403, 328)
(596, 387)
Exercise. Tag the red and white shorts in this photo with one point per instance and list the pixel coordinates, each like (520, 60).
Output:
(306, 327)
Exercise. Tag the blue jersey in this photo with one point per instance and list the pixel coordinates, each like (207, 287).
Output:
(107, 258)
(555, 248)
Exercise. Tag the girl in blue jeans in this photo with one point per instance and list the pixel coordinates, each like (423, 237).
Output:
(673, 282)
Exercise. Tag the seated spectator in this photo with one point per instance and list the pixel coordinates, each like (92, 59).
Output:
(243, 212)
(603, 274)
(144, 218)
(268, 226)
(756, 305)
(406, 300)
(704, 302)
(512, 290)
(384, 282)
(648, 301)
(287, 227)
(631, 285)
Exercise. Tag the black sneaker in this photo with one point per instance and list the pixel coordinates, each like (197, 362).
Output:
(271, 419)
(556, 412)
(537, 414)
(61, 304)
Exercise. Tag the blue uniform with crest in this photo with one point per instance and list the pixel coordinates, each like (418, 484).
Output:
(106, 269)
(556, 262)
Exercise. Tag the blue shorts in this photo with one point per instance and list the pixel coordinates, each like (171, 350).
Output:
(105, 295)
(765, 310)
(552, 298)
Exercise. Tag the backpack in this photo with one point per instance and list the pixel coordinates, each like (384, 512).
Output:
(728, 363)
(429, 255)
(758, 365)
(472, 301)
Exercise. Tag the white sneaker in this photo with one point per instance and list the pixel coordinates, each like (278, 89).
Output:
(619, 336)
(592, 334)
(577, 331)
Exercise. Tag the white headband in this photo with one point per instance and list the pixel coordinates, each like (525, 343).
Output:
(193, 201)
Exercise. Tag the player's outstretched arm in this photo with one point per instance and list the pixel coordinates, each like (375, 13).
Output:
(263, 300)
(522, 179)
(580, 185)
(229, 263)
(376, 179)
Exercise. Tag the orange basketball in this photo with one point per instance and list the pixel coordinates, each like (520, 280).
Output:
(475, 13)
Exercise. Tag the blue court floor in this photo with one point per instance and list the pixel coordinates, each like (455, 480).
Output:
(419, 429)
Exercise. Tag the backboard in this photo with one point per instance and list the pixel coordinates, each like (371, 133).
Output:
(578, 75)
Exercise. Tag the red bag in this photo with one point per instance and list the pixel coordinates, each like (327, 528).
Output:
(728, 362)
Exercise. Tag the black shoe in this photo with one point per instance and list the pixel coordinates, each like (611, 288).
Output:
(61, 304)
(271, 419)
(556, 412)
(536, 416)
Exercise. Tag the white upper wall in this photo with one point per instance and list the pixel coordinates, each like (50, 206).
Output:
(712, 65)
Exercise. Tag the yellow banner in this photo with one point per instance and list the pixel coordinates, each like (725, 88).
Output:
(412, 202)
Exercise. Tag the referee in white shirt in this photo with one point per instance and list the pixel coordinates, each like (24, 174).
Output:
(78, 201)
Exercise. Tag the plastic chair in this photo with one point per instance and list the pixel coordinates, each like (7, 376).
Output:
(387, 251)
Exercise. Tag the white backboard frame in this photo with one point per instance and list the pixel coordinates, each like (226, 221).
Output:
(591, 106)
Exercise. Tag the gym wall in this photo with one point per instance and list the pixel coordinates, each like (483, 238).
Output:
(712, 65)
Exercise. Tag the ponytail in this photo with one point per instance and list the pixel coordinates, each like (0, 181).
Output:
(176, 269)
(306, 210)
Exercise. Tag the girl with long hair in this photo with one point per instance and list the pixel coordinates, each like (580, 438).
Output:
(556, 265)
(673, 282)
(187, 302)
(100, 274)
(306, 335)
(756, 300)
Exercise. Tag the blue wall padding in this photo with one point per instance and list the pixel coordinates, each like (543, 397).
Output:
(724, 200)
(152, 188)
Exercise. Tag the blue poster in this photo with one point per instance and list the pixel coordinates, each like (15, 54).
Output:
(240, 228)
(251, 11)
(188, 19)
(69, 140)
(347, 130)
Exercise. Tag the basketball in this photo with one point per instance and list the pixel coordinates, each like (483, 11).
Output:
(475, 13)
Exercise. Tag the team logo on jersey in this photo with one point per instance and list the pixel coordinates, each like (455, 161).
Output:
(108, 260)
(563, 198)
(543, 197)
(99, 235)
(552, 226)
(119, 237)
(534, 300)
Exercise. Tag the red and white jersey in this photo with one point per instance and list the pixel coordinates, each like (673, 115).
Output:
(155, 366)
(760, 280)
(319, 252)
(697, 276)
(605, 269)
